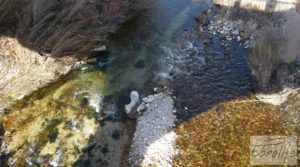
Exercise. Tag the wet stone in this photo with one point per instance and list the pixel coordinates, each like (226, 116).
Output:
(116, 135)
(202, 19)
(140, 64)
(89, 149)
(206, 41)
(104, 150)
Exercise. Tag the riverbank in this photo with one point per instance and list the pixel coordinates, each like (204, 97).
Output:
(24, 71)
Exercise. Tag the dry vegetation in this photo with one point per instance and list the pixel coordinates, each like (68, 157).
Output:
(65, 27)
(263, 62)
(264, 18)
(7, 13)
(220, 136)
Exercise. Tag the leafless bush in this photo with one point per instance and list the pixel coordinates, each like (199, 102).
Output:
(263, 62)
(8, 10)
(67, 27)
(255, 13)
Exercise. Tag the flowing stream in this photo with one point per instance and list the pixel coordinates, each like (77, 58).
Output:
(79, 121)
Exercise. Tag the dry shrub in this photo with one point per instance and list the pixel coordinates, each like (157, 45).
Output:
(255, 13)
(67, 27)
(263, 62)
(8, 9)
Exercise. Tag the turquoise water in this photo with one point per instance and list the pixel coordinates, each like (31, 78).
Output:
(142, 38)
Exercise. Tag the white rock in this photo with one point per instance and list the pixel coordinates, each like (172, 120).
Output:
(141, 107)
(130, 108)
(55, 161)
(100, 49)
(152, 144)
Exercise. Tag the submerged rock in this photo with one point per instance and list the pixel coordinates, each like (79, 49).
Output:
(140, 64)
(202, 19)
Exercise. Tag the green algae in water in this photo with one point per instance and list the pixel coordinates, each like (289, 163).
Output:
(91, 113)
(51, 128)
(53, 124)
(86, 83)
(45, 118)
(53, 136)
(85, 101)
(69, 124)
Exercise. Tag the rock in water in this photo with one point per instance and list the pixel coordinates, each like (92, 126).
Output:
(130, 108)
(202, 19)
(140, 64)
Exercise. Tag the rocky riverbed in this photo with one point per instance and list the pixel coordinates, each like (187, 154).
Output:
(153, 143)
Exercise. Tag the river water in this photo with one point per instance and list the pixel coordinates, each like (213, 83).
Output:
(80, 120)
